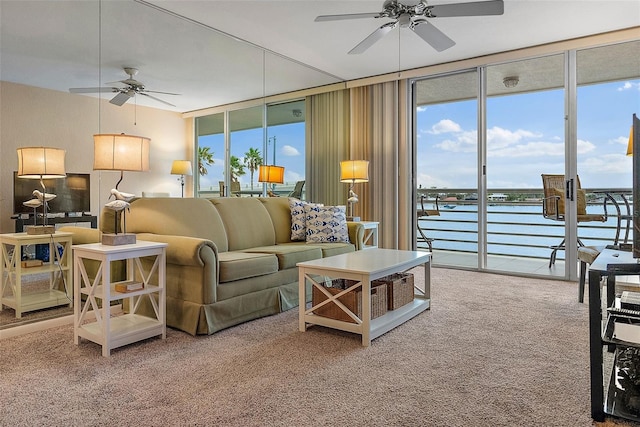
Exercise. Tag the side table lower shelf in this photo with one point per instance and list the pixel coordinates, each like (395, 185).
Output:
(124, 329)
(622, 398)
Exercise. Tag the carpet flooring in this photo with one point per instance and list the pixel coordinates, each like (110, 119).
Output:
(492, 351)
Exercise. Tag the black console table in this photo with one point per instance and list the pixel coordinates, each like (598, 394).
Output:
(21, 223)
(606, 397)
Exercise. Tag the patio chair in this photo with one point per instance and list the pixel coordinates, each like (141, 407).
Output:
(297, 190)
(422, 212)
(553, 207)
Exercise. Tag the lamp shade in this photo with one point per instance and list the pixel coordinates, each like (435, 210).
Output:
(181, 167)
(271, 174)
(120, 152)
(354, 171)
(41, 162)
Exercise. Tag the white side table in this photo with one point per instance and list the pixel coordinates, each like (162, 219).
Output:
(12, 271)
(112, 332)
(370, 234)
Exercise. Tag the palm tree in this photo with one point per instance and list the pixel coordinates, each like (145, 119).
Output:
(205, 158)
(252, 160)
(236, 168)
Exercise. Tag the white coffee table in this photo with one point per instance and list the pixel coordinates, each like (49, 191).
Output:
(364, 266)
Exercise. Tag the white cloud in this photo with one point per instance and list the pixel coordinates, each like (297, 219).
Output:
(421, 109)
(445, 126)
(629, 85)
(498, 137)
(607, 164)
(622, 140)
(288, 150)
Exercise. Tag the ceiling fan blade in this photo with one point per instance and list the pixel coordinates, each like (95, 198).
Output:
(162, 93)
(121, 98)
(323, 18)
(429, 33)
(157, 99)
(372, 38)
(480, 8)
(91, 89)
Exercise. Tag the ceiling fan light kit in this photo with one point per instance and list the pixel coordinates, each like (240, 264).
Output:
(415, 15)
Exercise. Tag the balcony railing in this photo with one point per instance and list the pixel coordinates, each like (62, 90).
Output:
(515, 225)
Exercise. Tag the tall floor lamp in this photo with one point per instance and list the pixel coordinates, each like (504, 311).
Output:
(182, 168)
(353, 172)
(41, 163)
(120, 152)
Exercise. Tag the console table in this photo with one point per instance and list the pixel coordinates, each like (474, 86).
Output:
(363, 267)
(22, 222)
(609, 263)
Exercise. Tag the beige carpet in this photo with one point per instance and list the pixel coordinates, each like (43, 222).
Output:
(493, 351)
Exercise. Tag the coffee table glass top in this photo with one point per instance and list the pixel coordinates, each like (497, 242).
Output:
(369, 261)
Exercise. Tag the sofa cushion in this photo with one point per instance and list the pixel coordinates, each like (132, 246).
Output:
(290, 254)
(189, 217)
(246, 221)
(236, 265)
(331, 249)
(280, 213)
(326, 224)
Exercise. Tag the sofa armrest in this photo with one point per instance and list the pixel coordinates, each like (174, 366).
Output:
(184, 250)
(82, 235)
(356, 234)
(192, 267)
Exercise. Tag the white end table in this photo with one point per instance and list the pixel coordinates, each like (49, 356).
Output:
(112, 332)
(370, 239)
(58, 267)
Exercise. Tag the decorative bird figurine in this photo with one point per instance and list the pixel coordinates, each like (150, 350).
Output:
(353, 197)
(117, 205)
(119, 195)
(33, 203)
(43, 197)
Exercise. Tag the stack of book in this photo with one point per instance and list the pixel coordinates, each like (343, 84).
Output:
(128, 286)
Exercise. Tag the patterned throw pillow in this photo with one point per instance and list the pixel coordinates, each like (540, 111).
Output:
(298, 223)
(326, 224)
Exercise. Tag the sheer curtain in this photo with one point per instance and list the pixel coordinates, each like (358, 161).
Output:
(327, 144)
(379, 134)
(364, 123)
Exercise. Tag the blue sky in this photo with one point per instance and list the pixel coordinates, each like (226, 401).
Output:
(525, 136)
(289, 143)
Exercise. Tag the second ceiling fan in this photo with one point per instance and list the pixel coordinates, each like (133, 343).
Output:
(415, 15)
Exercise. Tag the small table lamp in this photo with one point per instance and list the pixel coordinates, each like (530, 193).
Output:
(271, 174)
(41, 163)
(120, 152)
(353, 171)
(182, 168)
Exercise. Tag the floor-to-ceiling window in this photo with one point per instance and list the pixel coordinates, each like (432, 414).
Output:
(232, 145)
(446, 165)
(525, 139)
(559, 114)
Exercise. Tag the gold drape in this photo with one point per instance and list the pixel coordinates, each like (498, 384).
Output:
(364, 123)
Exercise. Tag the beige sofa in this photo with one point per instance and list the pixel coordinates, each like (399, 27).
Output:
(229, 260)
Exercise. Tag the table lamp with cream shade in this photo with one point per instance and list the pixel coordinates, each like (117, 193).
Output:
(182, 168)
(353, 172)
(120, 152)
(41, 163)
(271, 174)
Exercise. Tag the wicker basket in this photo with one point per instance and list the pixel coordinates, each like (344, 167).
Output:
(352, 300)
(399, 289)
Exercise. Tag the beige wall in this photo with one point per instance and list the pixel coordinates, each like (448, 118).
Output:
(32, 116)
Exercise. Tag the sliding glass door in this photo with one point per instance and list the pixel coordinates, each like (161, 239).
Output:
(446, 167)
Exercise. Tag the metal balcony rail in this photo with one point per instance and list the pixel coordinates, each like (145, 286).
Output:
(515, 225)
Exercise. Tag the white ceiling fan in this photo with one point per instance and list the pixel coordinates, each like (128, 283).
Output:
(131, 88)
(415, 15)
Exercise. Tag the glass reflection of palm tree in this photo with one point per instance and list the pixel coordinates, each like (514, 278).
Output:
(252, 160)
(236, 168)
(205, 158)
